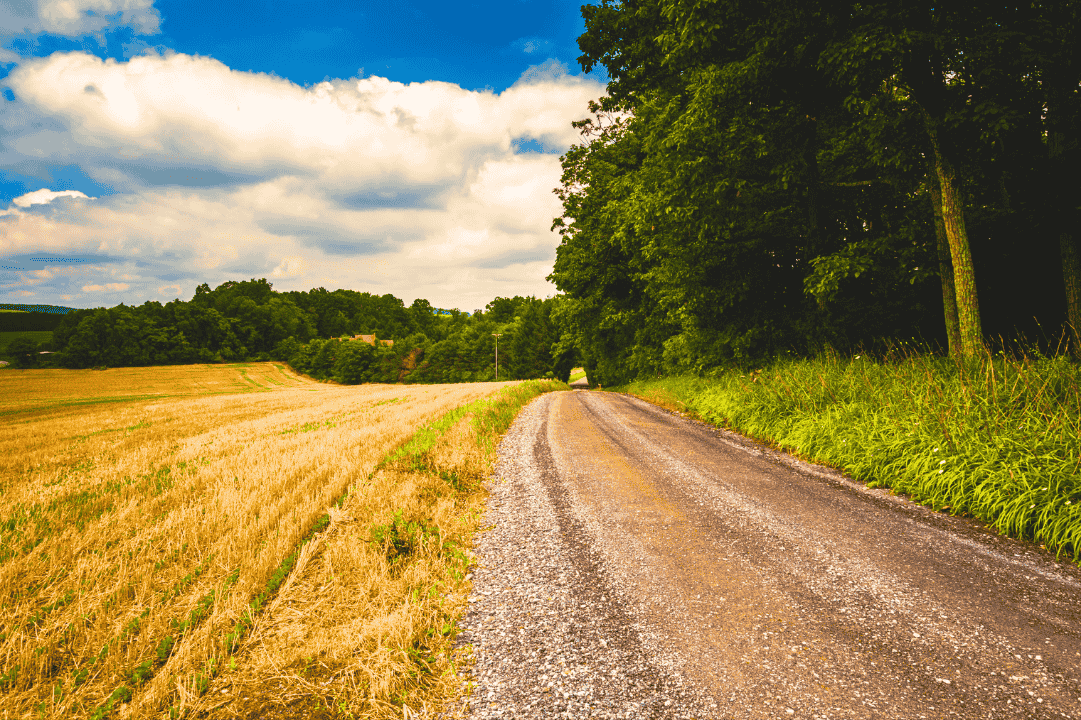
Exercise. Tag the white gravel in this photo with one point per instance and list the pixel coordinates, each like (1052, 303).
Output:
(550, 638)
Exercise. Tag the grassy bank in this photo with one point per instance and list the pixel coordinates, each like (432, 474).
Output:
(998, 440)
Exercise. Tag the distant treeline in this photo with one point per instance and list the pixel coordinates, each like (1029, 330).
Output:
(251, 321)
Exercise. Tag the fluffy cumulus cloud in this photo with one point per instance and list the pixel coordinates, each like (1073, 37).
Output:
(420, 190)
(77, 17)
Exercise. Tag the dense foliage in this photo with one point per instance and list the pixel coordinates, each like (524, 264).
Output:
(775, 177)
(251, 321)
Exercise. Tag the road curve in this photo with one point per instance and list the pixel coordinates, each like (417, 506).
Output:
(643, 565)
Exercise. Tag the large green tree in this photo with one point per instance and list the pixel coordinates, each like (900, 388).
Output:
(735, 166)
(774, 153)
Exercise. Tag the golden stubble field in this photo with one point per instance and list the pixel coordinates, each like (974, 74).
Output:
(142, 511)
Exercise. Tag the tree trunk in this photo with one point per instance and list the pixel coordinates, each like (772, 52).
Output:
(964, 273)
(1071, 275)
(945, 270)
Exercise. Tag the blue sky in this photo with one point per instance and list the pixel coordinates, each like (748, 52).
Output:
(411, 148)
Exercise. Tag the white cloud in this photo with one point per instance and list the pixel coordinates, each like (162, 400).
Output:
(111, 287)
(78, 17)
(551, 70)
(289, 267)
(368, 184)
(46, 196)
(191, 114)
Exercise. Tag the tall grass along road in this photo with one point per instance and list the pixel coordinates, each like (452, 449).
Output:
(642, 565)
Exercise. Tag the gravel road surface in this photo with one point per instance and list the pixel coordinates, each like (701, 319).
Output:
(641, 565)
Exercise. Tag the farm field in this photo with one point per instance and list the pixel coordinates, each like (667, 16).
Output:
(38, 336)
(143, 512)
(49, 390)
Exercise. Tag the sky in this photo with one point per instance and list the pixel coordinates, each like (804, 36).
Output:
(387, 147)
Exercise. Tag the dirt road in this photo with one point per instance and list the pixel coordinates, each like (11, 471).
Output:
(641, 565)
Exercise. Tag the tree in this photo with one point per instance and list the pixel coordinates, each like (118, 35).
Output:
(503, 310)
(738, 172)
(528, 354)
(980, 75)
(606, 301)
(249, 320)
(945, 271)
(785, 147)
(23, 352)
(353, 361)
(422, 315)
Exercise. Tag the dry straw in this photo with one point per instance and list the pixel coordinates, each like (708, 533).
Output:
(143, 510)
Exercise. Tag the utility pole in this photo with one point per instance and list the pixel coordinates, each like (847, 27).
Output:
(497, 336)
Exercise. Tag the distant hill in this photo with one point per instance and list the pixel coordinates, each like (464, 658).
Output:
(52, 309)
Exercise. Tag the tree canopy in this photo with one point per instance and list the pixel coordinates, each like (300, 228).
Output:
(769, 177)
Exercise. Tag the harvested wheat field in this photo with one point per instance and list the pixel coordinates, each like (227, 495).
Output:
(149, 516)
